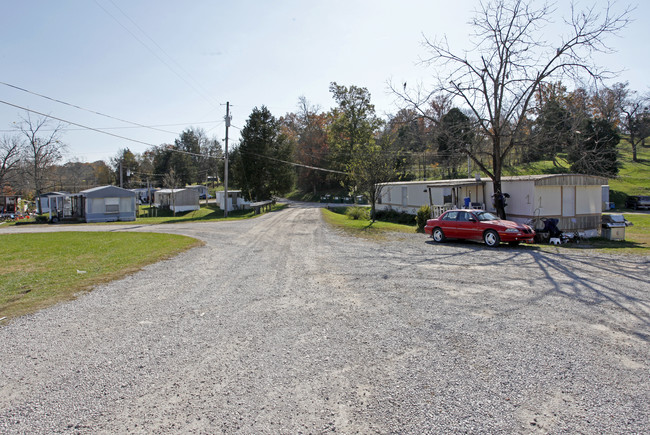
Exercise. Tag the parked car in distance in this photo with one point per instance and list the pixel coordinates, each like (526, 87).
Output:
(637, 202)
(203, 196)
(478, 225)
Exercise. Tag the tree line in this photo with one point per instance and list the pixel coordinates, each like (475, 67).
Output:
(347, 148)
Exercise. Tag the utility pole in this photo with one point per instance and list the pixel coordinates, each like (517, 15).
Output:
(225, 175)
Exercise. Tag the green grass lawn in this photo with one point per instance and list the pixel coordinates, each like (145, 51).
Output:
(42, 269)
(206, 213)
(362, 227)
(209, 213)
(637, 238)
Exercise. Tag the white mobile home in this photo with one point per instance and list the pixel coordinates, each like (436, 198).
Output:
(574, 199)
(203, 190)
(177, 199)
(403, 196)
(235, 200)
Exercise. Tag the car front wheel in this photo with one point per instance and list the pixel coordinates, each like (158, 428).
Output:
(491, 238)
(438, 235)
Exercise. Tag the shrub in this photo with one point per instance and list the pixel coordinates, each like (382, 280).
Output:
(357, 213)
(41, 218)
(395, 217)
(424, 213)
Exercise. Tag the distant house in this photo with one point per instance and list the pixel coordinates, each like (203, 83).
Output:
(52, 201)
(144, 194)
(177, 199)
(235, 200)
(574, 199)
(9, 204)
(203, 190)
(107, 204)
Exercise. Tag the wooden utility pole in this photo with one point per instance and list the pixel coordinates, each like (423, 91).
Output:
(225, 175)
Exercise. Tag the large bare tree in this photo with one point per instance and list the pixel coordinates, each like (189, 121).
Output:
(497, 78)
(43, 149)
(10, 153)
(635, 113)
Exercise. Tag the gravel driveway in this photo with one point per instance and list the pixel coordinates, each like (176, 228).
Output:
(282, 325)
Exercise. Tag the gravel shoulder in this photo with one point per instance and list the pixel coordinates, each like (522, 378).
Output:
(280, 324)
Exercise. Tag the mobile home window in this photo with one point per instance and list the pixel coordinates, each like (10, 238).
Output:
(112, 205)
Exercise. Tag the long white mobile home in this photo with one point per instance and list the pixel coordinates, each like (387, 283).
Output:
(574, 199)
(177, 199)
(403, 196)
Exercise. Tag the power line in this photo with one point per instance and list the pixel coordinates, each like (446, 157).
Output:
(206, 93)
(295, 164)
(105, 132)
(87, 110)
(202, 94)
(217, 123)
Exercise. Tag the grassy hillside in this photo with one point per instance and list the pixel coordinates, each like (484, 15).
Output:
(633, 177)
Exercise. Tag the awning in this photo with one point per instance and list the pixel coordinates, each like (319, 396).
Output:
(456, 183)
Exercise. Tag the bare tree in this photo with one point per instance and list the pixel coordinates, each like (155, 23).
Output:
(43, 149)
(497, 79)
(10, 152)
(635, 110)
(625, 108)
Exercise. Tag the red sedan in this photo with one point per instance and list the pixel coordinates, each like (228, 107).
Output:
(478, 225)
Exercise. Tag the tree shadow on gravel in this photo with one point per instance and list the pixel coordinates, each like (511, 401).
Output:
(585, 286)
(571, 274)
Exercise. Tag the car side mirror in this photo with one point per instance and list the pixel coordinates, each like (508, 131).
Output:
(472, 219)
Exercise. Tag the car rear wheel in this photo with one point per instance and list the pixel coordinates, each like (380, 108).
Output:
(491, 238)
(438, 235)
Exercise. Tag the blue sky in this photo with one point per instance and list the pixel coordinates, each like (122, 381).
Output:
(175, 64)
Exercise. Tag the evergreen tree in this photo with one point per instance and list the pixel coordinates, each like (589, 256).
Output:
(185, 164)
(258, 167)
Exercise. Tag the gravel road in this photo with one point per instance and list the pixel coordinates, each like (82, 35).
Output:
(281, 324)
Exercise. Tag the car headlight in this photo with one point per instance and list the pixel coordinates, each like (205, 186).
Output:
(512, 230)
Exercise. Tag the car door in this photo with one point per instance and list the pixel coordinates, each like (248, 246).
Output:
(449, 224)
(462, 225)
(467, 225)
(475, 228)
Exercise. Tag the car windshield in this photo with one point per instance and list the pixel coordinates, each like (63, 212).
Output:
(485, 216)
